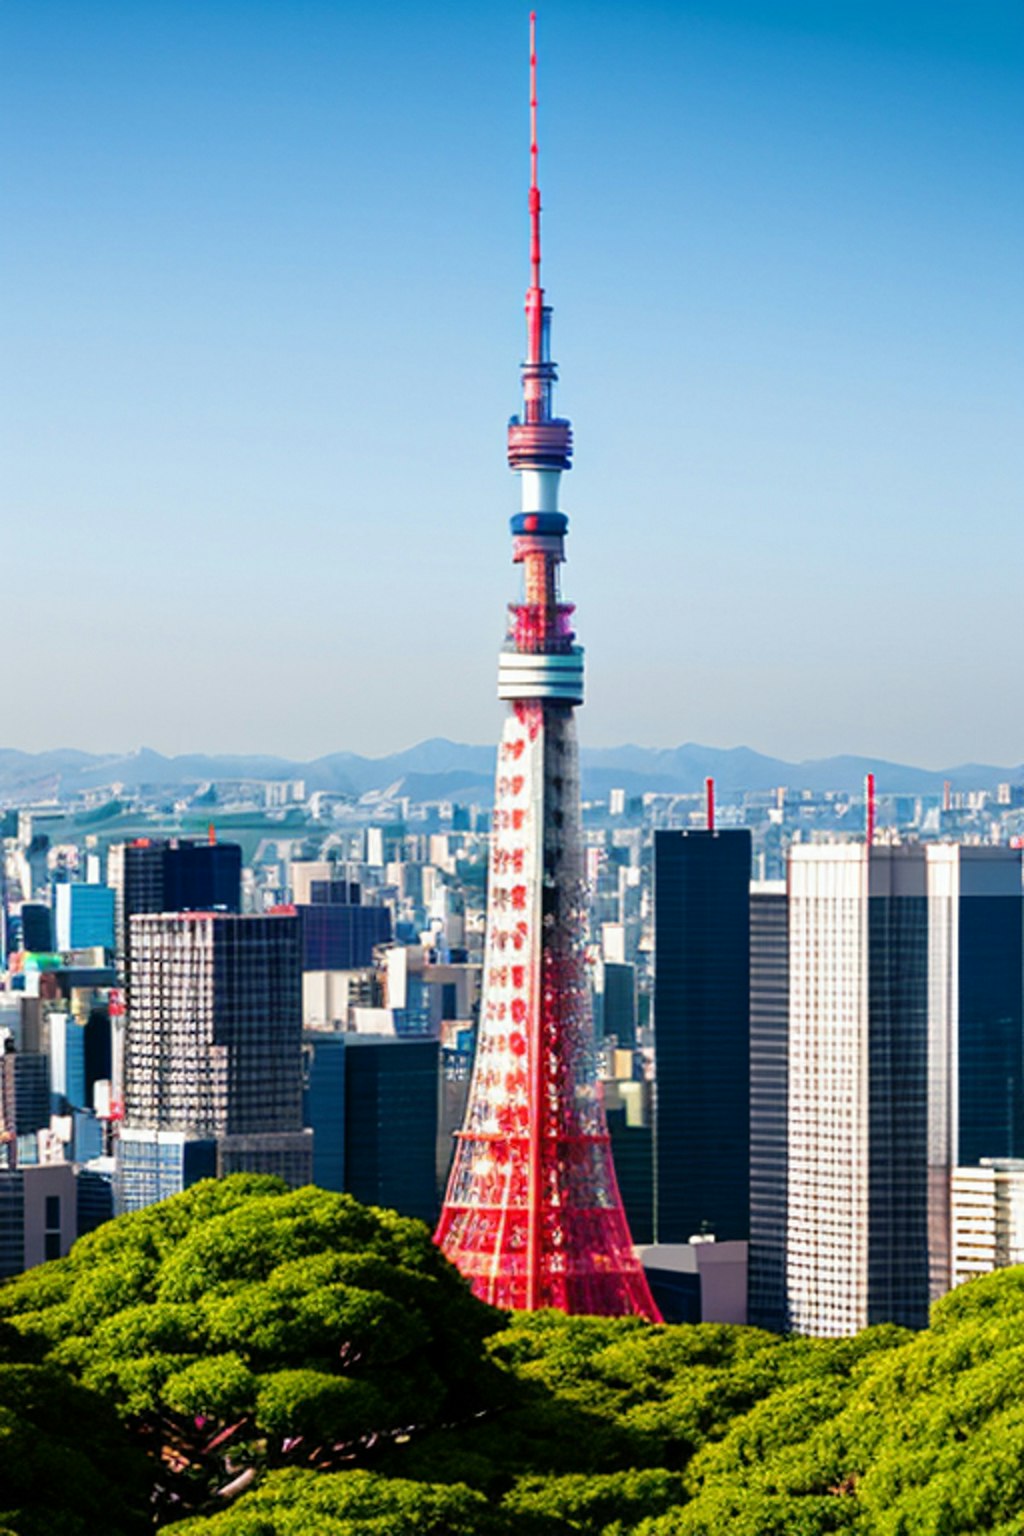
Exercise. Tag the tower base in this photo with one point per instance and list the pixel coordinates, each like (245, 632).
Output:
(533, 1216)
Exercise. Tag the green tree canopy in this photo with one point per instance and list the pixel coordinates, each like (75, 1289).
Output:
(297, 1365)
(243, 1323)
(296, 1503)
(65, 1464)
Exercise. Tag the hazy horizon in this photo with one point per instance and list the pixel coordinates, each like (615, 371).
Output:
(475, 746)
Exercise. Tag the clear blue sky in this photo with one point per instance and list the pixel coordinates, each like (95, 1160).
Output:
(262, 268)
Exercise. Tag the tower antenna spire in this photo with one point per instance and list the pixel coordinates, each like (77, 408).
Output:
(535, 296)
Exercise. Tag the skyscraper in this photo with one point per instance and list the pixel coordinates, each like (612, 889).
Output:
(83, 916)
(902, 1058)
(213, 1057)
(24, 1103)
(532, 1215)
(857, 1133)
(180, 875)
(702, 1035)
(372, 1104)
(769, 1087)
(339, 936)
(976, 1023)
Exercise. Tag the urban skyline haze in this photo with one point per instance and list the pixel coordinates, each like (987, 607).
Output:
(264, 270)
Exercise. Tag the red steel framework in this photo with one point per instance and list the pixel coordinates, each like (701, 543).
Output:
(533, 1216)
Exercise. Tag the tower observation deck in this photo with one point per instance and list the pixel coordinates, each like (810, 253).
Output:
(533, 1216)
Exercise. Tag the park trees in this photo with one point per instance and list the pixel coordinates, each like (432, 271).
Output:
(65, 1464)
(242, 1326)
(296, 1365)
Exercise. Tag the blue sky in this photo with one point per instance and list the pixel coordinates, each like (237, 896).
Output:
(263, 269)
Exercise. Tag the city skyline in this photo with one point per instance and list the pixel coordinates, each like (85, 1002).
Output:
(250, 305)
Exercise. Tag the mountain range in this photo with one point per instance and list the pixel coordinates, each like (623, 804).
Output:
(441, 769)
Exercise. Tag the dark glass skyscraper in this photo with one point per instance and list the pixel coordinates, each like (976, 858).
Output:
(171, 876)
(341, 937)
(372, 1104)
(897, 1126)
(991, 1034)
(702, 1034)
(976, 1030)
(769, 1086)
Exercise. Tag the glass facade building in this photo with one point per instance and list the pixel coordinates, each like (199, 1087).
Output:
(372, 1103)
(214, 1044)
(154, 1165)
(83, 916)
(633, 1151)
(702, 1034)
(24, 1096)
(170, 876)
(857, 1247)
(36, 927)
(898, 1266)
(338, 937)
(769, 1086)
(976, 1039)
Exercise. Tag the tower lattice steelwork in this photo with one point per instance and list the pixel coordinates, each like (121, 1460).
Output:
(533, 1216)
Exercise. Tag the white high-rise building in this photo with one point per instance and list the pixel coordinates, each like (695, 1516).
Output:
(905, 1058)
(856, 1229)
(987, 1217)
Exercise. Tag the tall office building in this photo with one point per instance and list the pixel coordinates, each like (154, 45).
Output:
(702, 1035)
(371, 1102)
(213, 1059)
(532, 1215)
(615, 1000)
(179, 875)
(24, 1104)
(769, 1088)
(339, 936)
(83, 916)
(976, 1037)
(857, 1142)
(898, 1057)
(36, 927)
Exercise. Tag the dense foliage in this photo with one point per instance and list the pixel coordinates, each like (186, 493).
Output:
(65, 1465)
(240, 1325)
(299, 1366)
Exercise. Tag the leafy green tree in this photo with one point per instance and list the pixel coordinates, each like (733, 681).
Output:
(241, 1325)
(296, 1503)
(65, 1464)
(595, 1503)
(754, 1514)
(297, 1365)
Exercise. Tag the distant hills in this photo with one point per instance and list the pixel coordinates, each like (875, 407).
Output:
(440, 769)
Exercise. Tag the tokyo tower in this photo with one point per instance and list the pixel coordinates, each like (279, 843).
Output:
(533, 1216)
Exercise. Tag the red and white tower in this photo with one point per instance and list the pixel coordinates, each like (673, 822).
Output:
(533, 1216)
